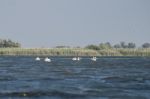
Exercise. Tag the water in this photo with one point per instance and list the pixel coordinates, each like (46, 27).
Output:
(107, 78)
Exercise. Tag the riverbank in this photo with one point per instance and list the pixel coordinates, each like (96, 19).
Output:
(73, 52)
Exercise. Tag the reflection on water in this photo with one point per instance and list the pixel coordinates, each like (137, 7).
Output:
(107, 78)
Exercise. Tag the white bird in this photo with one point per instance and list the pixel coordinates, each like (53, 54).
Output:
(47, 59)
(93, 58)
(76, 58)
(37, 59)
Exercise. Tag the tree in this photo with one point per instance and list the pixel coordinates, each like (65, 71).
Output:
(94, 47)
(1, 43)
(17, 45)
(146, 45)
(8, 43)
(131, 45)
(123, 45)
(106, 45)
(117, 46)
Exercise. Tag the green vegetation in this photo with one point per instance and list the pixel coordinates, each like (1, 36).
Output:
(75, 52)
(93, 47)
(48, 51)
(146, 45)
(8, 47)
(8, 43)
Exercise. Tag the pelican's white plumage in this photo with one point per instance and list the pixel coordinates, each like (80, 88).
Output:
(47, 59)
(76, 58)
(93, 58)
(37, 59)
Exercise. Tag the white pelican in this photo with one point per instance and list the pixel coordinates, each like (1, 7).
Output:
(37, 59)
(93, 58)
(47, 59)
(76, 58)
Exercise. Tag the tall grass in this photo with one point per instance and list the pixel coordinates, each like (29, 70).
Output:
(48, 51)
(125, 52)
(135, 52)
(74, 52)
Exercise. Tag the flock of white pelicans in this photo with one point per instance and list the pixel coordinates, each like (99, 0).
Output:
(74, 59)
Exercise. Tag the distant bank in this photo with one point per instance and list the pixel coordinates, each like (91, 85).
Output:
(74, 52)
(9, 47)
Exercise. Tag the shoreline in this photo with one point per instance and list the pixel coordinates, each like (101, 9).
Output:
(74, 52)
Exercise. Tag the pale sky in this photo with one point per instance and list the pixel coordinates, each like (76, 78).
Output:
(48, 23)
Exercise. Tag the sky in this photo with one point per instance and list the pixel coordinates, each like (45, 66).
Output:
(50, 23)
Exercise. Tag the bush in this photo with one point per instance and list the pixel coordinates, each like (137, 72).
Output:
(93, 47)
(8, 43)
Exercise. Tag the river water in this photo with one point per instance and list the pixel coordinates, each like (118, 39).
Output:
(108, 78)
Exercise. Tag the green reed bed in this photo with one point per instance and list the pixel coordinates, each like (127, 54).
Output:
(134, 52)
(125, 52)
(48, 51)
(74, 52)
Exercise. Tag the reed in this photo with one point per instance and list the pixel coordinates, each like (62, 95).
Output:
(125, 52)
(48, 51)
(74, 52)
(135, 52)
